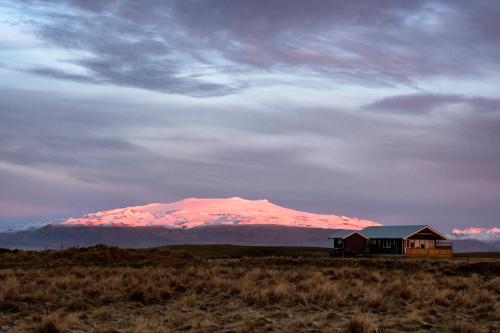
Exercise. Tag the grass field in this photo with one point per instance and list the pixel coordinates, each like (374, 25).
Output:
(218, 288)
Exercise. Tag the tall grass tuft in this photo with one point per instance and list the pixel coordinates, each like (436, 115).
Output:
(359, 324)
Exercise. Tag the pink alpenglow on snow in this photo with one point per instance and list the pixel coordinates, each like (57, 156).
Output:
(194, 212)
(477, 233)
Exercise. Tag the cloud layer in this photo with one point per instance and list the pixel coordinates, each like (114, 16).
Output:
(204, 48)
(385, 111)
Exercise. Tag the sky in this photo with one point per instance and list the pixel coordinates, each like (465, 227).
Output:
(382, 110)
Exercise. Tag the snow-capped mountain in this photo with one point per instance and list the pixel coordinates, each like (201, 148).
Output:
(482, 234)
(17, 228)
(194, 212)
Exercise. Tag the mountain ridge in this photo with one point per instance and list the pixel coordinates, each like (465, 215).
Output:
(194, 212)
(204, 221)
(57, 236)
(478, 233)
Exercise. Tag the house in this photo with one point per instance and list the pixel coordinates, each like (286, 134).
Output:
(412, 240)
(349, 242)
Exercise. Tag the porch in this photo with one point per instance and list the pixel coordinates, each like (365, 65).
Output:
(429, 248)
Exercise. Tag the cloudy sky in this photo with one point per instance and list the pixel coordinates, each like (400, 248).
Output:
(384, 110)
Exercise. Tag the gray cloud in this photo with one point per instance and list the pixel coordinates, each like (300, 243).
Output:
(327, 160)
(415, 158)
(60, 74)
(154, 44)
(426, 103)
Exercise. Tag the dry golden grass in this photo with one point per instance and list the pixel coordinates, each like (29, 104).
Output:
(162, 290)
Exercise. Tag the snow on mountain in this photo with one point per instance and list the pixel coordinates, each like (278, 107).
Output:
(195, 212)
(483, 234)
(24, 227)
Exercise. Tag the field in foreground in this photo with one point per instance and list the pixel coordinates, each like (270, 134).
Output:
(243, 289)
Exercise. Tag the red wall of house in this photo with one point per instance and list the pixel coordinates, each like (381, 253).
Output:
(355, 243)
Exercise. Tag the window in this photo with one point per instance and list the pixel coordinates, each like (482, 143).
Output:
(337, 243)
(373, 241)
(386, 244)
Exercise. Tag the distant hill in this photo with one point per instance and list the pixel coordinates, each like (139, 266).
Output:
(55, 236)
(473, 245)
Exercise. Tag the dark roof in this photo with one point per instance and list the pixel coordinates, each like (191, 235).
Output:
(344, 233)
(394, 231)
